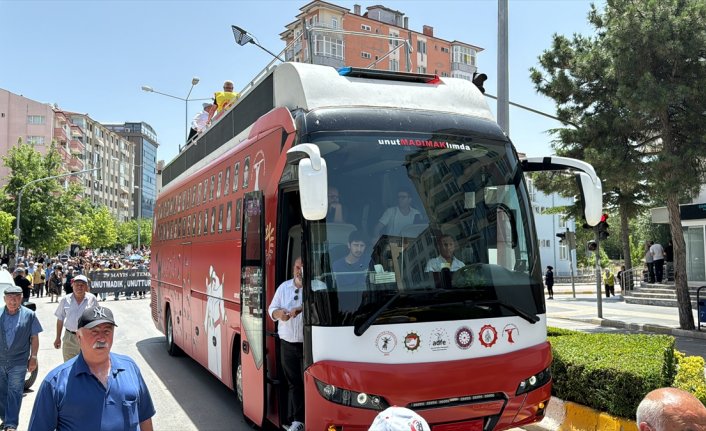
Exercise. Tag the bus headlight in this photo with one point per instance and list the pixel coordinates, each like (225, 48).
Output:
(349, 398)
(533, 382)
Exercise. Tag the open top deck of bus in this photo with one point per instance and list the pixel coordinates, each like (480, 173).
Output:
(308, 87)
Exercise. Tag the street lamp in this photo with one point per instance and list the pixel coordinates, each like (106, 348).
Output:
(139, 215)
(243, 38)
(19, 200)
(186, 100)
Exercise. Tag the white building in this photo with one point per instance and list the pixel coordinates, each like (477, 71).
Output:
(548, 226)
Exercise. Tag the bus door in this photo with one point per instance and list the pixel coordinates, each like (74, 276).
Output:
(252, 307)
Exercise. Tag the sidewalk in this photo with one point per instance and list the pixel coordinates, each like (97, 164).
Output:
(616, 313)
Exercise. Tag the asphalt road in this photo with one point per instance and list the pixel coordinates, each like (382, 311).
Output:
(186, 396)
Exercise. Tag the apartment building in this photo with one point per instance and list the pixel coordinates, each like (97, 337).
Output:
(380, 37)
(115, 155)
(82, 143)
(144, 139)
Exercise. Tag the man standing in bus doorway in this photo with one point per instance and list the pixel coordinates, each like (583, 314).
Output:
(214, 321)
(286, 308)
(68, 313)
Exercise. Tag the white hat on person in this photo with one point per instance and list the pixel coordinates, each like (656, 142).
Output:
(399, 419)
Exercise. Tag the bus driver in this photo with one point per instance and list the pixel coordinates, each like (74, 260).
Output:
(446, 258)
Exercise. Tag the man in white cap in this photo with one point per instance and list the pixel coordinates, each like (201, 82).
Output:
(67, 314)
(19, 343)
(200, 122)
(399, 419)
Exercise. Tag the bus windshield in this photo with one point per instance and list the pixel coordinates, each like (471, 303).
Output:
(421, 228)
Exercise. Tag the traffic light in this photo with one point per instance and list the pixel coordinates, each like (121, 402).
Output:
(592, 245)
(562, 237)
(602, 228)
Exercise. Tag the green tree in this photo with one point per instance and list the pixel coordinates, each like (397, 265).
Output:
(636, 92)
(99, 226)
(48, 209)
(6, 228)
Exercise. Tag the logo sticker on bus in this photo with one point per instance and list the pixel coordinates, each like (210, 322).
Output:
(412, 341)
(386, 342)
(439, 340)
(510, 331)
(464, 337)
(488, 335)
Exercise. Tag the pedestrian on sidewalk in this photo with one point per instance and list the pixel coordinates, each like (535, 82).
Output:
(68, 314)
(657, 252)
(609, 282)
(669, 409)
(649, 261)
(621, 277)
(549, 281)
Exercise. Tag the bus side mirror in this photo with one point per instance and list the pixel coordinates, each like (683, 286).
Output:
(313, 180)
(592, 197)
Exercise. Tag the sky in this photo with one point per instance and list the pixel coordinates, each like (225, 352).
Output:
(93, 56)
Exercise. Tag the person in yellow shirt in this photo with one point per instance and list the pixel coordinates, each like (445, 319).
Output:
(222, 100)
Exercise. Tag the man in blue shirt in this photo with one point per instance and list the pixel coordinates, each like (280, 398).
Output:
(351, 271)
(19, 343)
(96, 390)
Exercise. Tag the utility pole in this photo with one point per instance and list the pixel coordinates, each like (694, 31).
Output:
(503, 80)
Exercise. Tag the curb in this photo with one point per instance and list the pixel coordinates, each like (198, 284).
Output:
(566, 415)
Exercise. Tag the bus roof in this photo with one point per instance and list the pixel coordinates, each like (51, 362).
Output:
(308, 87)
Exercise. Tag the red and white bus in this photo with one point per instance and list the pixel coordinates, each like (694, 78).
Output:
(464, 347)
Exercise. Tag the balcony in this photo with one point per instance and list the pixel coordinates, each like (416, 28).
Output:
(60, 134)
(76, 147)
(75, 164)
(65, 156)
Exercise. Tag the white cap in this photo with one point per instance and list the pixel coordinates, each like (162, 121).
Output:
(399, 419)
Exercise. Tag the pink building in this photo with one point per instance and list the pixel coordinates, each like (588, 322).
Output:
(26, 119)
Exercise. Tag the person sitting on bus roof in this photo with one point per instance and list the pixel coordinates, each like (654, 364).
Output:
(200, 122)
(396, 218)
(222, 100)
(351, 270)
(286, 308)
(335, 208)
(446, 258)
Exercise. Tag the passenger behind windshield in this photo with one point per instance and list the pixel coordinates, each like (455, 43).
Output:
(351, 270)
(335, 208)
(446, 258)
(396, 218)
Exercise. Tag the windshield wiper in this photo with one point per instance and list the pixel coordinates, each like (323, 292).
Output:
(531, 318)
(360, 329)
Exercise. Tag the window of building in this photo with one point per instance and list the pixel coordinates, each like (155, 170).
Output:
(421, 69)
(444, 49)
(394, 42)
(394, 65)
(334, 22)
(465, 55)
(35, 119)
(365, 54)
(365, 27)
(328, 46)
(563, 252)
(562, 221)
(35, 140)
(422, 46)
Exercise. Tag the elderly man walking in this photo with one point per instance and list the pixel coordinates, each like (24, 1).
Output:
(97, 390)
(67, 314)
(19, 343)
